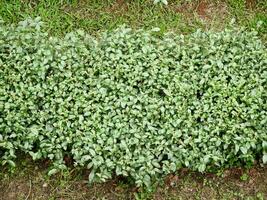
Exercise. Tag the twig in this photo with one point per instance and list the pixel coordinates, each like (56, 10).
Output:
(29, 193)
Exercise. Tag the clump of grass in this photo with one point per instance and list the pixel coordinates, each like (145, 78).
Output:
(97, 15)
(92, 16)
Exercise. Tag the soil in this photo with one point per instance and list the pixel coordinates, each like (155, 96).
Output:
(30, 181)
(204, 9)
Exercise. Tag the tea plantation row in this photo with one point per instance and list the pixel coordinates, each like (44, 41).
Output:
(132, 102)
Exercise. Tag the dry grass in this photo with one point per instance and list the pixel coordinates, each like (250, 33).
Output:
(31, 182)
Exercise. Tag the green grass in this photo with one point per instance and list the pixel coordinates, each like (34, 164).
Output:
(61, 16)
(94, 15)
(250, 14)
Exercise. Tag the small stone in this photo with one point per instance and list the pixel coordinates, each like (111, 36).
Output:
(45, 185)
(172, 183)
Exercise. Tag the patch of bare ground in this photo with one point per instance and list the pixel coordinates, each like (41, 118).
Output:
(206, 11)
(31, 182)
(191, 185)
(118, 6)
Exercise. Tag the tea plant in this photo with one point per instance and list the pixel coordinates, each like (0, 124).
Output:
(132, 103)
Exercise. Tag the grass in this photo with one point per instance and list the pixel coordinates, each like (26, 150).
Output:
(185, 16)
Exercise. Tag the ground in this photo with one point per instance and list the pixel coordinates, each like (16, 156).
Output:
(29, 179)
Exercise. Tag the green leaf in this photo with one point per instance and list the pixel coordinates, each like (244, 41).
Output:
(91, 176)
(52, 172)
(264, 159)
(11, 163)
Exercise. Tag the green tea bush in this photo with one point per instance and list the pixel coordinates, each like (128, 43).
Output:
(133, 102)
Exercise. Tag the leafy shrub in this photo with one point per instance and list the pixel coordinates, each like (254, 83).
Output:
(131, 102)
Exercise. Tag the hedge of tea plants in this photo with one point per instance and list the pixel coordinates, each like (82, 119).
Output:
(133, 102)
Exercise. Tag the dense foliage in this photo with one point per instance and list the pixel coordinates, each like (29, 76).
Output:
(133, 103)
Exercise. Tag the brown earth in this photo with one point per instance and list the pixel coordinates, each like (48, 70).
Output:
(29, 181)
